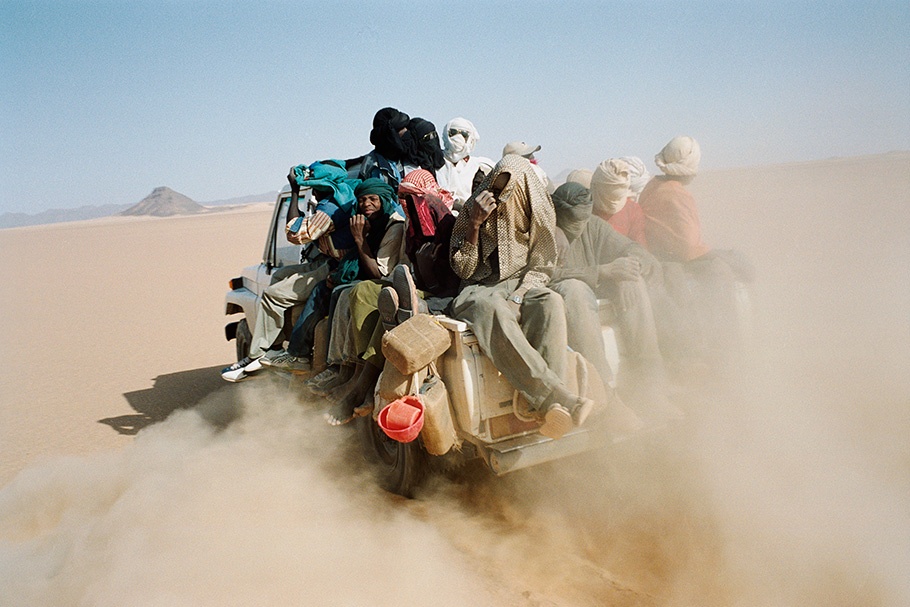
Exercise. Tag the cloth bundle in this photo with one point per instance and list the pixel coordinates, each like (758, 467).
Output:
(311, 228)
(332, 214)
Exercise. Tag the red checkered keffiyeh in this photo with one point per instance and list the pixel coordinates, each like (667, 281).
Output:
(421, 186)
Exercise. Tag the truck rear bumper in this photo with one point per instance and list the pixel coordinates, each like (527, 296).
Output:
(533, 449)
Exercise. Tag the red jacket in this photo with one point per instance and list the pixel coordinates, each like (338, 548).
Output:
(672, 226)
(629, 221)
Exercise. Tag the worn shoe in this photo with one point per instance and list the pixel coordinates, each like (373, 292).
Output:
(388, 308)
(557, 421)
(319, 381)
(271, 354)
(241, 369)
(406, 291)
(288, 362)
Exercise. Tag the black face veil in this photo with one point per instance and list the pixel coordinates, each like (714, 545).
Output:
(384, 136)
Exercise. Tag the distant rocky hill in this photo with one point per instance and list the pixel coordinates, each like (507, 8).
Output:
(17, 220)
(165, 202)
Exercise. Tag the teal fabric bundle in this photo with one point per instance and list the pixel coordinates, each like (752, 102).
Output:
(329, 176)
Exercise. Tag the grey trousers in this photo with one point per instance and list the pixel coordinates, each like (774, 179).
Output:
(341, 337)
(291, 286)
(530, 353)
(636, 333)
(583, 324)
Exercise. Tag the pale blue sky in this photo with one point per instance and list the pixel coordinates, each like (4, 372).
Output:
(100, 102)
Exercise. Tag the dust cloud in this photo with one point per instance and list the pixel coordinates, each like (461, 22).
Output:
(260, 512)
(788, 484)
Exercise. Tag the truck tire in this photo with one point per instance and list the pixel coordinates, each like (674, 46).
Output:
(243, 340)
(400, 466)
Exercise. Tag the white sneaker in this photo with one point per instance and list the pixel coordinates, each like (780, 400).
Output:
(241, 369)
(287, 361)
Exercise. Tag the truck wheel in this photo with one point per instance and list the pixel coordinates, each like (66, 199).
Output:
(400, 466)
(243, 340)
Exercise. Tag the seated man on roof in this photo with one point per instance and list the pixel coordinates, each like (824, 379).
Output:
(428, 227)
(376, 232)
(401, 145)
(597, 262)
(697, 277)
(504, 249)
(615, 186)
(292, 285)
(525, 150)
(461, 166)
(386, 160)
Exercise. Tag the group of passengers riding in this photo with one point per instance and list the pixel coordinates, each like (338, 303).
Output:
(418, 227)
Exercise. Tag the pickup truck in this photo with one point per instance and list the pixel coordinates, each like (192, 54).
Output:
(485, 409)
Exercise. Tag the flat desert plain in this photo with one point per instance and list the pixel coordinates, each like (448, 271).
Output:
(131, 474)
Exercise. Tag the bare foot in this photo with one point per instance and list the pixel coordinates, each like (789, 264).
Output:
(350, 402)
(348, 406)
(341, 413)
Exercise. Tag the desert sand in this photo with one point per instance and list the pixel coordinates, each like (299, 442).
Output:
(131, 474)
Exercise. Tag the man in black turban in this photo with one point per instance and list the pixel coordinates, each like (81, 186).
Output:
(388, 126)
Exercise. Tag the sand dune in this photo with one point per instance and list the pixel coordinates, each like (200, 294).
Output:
(791, 488)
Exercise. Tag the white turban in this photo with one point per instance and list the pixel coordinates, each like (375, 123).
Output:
(610, 186)
(638, 173)
(581, 177)
(459, 146)
(680, 157)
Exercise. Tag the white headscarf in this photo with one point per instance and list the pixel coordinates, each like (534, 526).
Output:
(610, 186)
(458, 147)
(680, 157)
(638, 173)
(581, 177)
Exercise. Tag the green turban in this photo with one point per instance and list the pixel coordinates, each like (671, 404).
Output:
(573, 208)
(386, 193)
